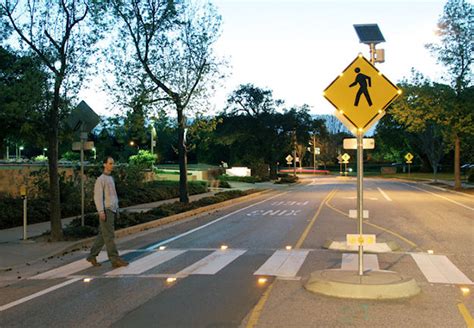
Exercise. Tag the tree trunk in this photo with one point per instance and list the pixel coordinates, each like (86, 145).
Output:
(183, 159)
(273, 170)
(54, 200)
(457, 157)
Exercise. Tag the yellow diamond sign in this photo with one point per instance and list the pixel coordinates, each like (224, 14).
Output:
(361, 94)
(409, 157)
(346, 157)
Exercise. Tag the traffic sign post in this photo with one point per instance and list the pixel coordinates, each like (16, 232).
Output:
(408, 158)
(360, 95)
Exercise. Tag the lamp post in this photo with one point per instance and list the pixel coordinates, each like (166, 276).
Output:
(95, 153)
(20, 149)
(44, 151)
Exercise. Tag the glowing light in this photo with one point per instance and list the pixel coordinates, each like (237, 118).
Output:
(87, 279)
(399, 92)
(262, 281)
(465, 291)
(360, 129)
(341, 112)
(430, 251)
(162, 248)
(288, 247)
(341, 75)
(224, 247)
(169, 280)
(380, 111)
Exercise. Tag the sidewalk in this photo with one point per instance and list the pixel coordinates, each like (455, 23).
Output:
(14, 252)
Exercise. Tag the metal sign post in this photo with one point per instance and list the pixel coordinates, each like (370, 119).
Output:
(360, 197)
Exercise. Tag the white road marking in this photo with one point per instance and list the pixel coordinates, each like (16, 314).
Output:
(152, 247)
(212, 263)
(146, 263)
(283, 263)
(68, 269)
(35, 295)
(439, 269)
(351, 262)
(445, 198)
(384, 194)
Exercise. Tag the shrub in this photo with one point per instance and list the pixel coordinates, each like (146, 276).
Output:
(287, 179)
(470, 175)
(144, 158)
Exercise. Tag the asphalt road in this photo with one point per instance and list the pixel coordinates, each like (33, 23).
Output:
(181, 277)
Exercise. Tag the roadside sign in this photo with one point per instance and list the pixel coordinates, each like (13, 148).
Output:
(408, 158)
(88, 145)
(356, 240)
(339, 159)
(317, 151)
(351, 143)
(360, 95)
(289, 158)
(346, 157)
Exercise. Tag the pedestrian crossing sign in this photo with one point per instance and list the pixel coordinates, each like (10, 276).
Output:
(360, 95)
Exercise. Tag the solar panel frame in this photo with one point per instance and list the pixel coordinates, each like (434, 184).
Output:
(369, 33)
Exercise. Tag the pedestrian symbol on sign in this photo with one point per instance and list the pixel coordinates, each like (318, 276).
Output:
(364, 81)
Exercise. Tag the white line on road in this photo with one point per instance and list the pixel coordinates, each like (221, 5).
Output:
(152, 247)
(445, 198)
(439, 269)
(212, 263)
(35, 295)
(283, 263)
(384, 194)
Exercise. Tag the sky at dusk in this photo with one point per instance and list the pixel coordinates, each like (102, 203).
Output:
(296, 48)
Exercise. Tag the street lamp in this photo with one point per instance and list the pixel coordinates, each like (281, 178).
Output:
(44, 151)
(21, 148)
(95, 153)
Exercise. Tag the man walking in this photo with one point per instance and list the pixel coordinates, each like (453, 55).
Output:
(363, 81)
(106, 202)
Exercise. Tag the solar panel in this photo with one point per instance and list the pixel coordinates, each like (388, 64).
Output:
(369, 33)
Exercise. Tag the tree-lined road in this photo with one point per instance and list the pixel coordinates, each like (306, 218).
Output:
(218, 287)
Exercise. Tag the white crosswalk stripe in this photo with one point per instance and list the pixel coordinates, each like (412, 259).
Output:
(439, 269)
(212, 263)
(71, 268)
(351, 262)
(146, 263)
(283, 263)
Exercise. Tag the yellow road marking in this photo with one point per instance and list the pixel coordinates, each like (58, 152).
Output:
(466, 315)
(373, 225)
(310, 225)
(257, 310)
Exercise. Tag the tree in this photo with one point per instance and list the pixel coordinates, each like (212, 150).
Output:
(173, 44)
(423, 109)
(252, 101)
(22, 100)
(61, 35)
(456, 32)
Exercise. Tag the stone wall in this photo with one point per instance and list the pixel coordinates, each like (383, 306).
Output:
(13, 177)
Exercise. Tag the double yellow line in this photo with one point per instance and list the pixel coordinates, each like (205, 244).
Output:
(257, 310)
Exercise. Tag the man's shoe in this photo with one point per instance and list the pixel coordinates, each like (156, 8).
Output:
(93, 261)
(119, 263)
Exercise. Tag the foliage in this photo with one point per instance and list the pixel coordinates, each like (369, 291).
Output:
(470, 175)
(144, 158)
(173, 46)
(62, 35)
(40, 158)
(251, 100)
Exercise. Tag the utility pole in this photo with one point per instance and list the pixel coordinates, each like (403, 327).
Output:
(294, 152)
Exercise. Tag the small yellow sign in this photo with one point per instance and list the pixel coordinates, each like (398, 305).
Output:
(409, 157)
(346, 157)
(361, 94)
(356, 240)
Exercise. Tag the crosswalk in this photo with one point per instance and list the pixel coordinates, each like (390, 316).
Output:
(283, 264)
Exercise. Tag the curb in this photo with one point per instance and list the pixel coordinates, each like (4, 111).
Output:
(374, 285)
(159, 222)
